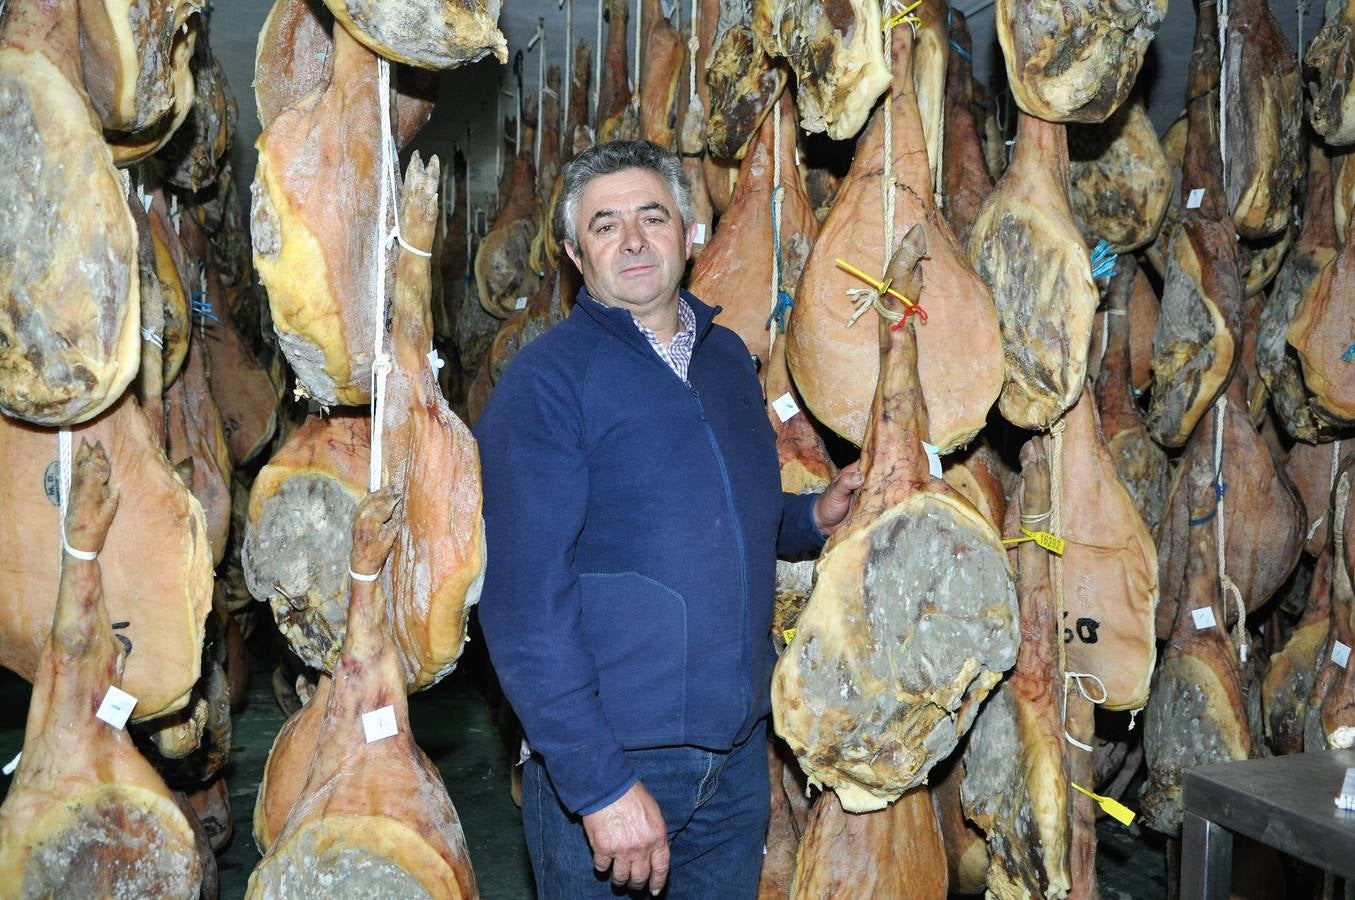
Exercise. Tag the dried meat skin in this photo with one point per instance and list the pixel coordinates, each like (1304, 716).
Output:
(127, 58)
(1292, 672)
(1331, 55)
(1330, 723)
(913, 615)
(429, 34)
(744, 85)
(965, 180)
(69, 289)
(1120, 179)
(1075, 61)
(1322, 334)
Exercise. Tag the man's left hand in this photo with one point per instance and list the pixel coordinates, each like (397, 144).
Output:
(836, 500)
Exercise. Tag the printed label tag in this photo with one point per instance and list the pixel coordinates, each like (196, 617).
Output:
(379, 724)
(700, 236)
(933, 459)
(1195, 199)
(521, 304)
(12, 764)
(785, 406)
(1204, 617)
(1051, 542)
(788, 635)
(1340, 654)
(116, 707)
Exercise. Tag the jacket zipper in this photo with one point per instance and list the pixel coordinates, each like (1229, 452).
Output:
(737, 527)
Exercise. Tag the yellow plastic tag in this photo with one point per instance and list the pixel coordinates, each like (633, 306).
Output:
(788, 635)
(1112, 807)
(1051, 542)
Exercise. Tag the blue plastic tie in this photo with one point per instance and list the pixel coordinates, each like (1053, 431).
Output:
(784, 301)
(784, 304)
(1103, 261)
(1220, 488)
(1349, 355)
(202, 307)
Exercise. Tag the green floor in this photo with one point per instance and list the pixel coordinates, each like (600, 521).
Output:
(454, 729)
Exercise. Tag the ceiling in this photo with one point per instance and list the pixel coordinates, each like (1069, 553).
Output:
(468, 108)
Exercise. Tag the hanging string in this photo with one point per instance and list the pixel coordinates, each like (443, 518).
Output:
(1077, 679)
(1335, 464)
(566, 139)
(540, 89)
(1223, 93)
(381, 363)
(776, 322)
(1226, 584)
(693, 47)
(64, 496)
(597, 69)
(639, 14)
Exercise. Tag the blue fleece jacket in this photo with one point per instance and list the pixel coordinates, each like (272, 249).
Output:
(633, 523)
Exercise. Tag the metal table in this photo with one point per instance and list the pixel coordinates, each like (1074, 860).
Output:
(1285, 802)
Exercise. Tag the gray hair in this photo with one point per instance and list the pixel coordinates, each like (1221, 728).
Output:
(612, 157)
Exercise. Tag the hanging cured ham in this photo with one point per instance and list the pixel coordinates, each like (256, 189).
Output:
(1276, 360)
(1262, 105)
(1016, 781)
(429, 34)
(692, 152)
(899, 644)
(299, 526)
(372, 814)
(1260, 550)
(198, 150)
(197, 446)
(1074, 62)
(1322, 333)
(69, 289)
(1313, 469)
(1120, 181)
(244, 394)
(1027, 249)
(892, 852)
(931, 52)
(838, 59)
(1140, 463)
(966, 849)
(314, 235)
(965, 180)
(1331, 708)
(616, 114)
(578, 133)
(1199, 330)
(161, 608)
(129, 148)
(127, 60)
(1292, 672)
(86, 815)
(438, 562)
(1109, 566)
(789, 814)
(503, 274)
(735, 268)
(1331, 56)
(743, 82)
(541, 314)
(834, 362)
(1196, 714)
(662, 61)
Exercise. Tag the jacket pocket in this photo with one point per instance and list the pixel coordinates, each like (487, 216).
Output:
(637, 630)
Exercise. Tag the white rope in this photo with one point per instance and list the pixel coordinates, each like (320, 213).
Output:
(1335, 464)
(358, 576)
(776, 224)
(498, 147)
(1077, 678)
(639, 14)
(540, 91)
(597, 69)
(1226, 584)
(151, 337)
(565, 139)
(693, 47)
(380, 360)
(887, 179)
(1223, 94)
(64, 494)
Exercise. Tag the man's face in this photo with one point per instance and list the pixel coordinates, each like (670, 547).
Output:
(631, 248)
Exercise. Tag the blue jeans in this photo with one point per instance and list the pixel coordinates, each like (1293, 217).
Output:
(714, 804)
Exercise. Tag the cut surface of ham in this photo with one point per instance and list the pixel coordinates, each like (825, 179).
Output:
(1074, 61)
(313, 233)
(1196, 714)
(129, 148)
(299, 527)
(735, 268)
(1016, 781)
(160, 609)
(69, 289)
(913, 615)
(1322, 333)
(86, 815)
(127, 59)
(1026, 247)
(430, 34)
(743, 83)
(1331, 56)
(1292, 672)
(1119, 178)
(1200, 329)
(836, 54)
(372, 817)
(1262, 107)
(834, 362)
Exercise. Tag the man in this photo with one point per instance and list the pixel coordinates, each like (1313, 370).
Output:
(633, 514)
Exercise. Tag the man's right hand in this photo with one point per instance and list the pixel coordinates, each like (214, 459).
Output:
(630, 838)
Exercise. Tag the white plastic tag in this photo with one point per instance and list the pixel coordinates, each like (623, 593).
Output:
(933, 459)
(1204, 617)
(700, 236)
(521, 304)
(1346, 799)
(785, 406)
(524, 752)
(434, 360)
(1340, 654)
(12, 764)
(379, 724)
(146, 203)
(116, 707)
(1195, 199)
